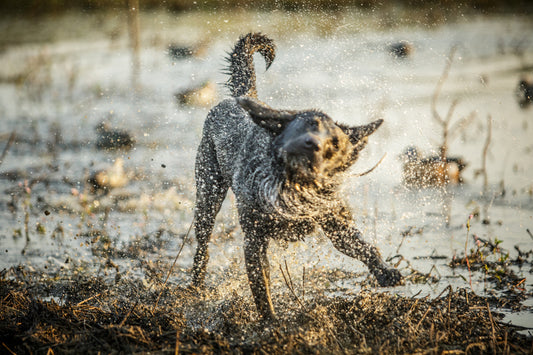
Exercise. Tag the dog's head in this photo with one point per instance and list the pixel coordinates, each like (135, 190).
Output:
(312, 147)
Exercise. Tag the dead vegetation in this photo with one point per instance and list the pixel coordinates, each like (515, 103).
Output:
(490, 258)
(85, 314)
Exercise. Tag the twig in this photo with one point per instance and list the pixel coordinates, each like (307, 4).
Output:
(423, 317)
(131, 311)
(448, 288)
(164, 283)
(8, 349)
(413, 297)
(484, 154)
(511, 325)
(466, 252)
(440, 83)
(461, 123)
(288, 282)
(374, 167)
(404, 235)
(303, 283)
(8, 145)
(288, 273)
(177, 346)
(174, 263)
(451, 110)
(528, 232)
(492, 325)
(88, 299)
(448, 130)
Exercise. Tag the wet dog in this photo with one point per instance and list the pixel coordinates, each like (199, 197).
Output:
(284, 167)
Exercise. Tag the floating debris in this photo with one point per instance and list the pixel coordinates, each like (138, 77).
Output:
(110, 138)
(204, 95)
(101, 181)
(401, 49)
(177, 51)
(432, 171)
(524, 92)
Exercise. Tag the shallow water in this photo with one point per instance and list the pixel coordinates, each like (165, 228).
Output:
(341, 66)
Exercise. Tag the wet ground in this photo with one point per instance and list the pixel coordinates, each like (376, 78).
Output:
(76, 252)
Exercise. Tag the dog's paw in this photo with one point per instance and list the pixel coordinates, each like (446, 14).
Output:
(387, 276)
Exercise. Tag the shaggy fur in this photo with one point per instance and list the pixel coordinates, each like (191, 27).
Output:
(284, 168)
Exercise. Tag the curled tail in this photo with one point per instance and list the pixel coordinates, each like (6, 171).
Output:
(241, 63)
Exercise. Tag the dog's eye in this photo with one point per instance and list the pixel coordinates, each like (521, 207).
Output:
(335, 143)
(313, 124)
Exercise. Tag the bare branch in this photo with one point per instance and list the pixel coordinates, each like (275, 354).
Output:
(461, 124)
(185, 238)
(440, 83)
(450, 112)
(484, 154)
(8, 145)
(288, 283)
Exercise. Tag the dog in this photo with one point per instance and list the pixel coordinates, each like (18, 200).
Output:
(284, 168)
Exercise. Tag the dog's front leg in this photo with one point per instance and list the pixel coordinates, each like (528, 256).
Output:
(258, 270)
(339, 228)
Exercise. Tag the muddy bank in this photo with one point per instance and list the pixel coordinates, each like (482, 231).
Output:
(77, 313)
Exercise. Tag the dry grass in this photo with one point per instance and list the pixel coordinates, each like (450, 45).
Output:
(84, 314)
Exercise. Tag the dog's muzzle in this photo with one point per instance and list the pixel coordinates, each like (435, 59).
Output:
(305, 146)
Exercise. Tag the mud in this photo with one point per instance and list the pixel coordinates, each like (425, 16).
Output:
(85, 314)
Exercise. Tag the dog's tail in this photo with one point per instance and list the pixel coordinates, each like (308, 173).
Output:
(241, 63)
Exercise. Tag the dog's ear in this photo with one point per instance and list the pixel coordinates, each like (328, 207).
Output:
(358, 133)
(358, 136)
(270, 119)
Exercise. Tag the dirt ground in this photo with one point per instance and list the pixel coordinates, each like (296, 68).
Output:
(79, 313)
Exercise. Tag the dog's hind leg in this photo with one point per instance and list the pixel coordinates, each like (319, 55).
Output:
(211, 189)
(339, 228)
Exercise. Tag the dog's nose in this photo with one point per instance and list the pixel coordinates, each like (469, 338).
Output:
(311, 143)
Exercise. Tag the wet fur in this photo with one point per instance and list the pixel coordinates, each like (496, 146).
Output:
(284, 168)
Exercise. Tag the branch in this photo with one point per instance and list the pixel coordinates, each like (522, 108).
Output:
(290, 286)
(8, 145)
(449, 115)
(484, 154)
(460, 124)
(440, 83)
